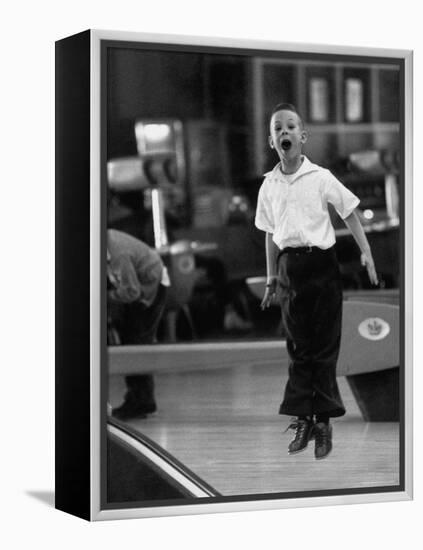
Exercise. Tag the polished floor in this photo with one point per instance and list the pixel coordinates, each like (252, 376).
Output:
(223, 424)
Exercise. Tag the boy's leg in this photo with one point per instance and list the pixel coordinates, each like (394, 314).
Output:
(298, 396)
(296, 307)
(327, 399)
(327, 322)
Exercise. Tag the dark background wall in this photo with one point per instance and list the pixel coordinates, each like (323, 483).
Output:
(223, 89)
(150, 84)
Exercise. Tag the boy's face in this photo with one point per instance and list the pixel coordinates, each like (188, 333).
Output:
(287, 134)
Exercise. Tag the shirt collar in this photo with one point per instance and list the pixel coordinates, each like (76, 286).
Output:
(305, 168)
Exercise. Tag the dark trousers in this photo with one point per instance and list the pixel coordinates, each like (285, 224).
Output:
(311, 304)
(137, 324)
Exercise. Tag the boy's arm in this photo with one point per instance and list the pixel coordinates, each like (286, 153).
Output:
(353, 223)
(271, 251)
(271, 279)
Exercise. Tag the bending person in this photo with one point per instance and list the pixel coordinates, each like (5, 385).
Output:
(136, 290)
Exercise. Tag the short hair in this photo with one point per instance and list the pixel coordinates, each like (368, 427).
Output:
(287, 107)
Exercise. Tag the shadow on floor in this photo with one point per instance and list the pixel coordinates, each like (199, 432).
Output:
(46, 497)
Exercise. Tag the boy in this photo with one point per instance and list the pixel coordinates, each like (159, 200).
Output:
(300, 255)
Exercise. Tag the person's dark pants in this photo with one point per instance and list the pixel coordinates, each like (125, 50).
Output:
(311, 304)
(137, 324)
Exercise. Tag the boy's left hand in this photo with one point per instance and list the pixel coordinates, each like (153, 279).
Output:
(367, 261)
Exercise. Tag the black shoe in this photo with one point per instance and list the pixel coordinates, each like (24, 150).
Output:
(128, 410)
(303, 432)
(323, 440)
(148, 409)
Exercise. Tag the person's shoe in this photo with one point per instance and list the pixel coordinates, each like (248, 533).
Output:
(303, 433)
(148, 409)
(128, 411)
(323, 440)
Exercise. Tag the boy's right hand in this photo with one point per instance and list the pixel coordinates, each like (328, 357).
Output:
(269, 293)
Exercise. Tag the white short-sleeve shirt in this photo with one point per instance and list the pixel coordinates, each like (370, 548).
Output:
(295, 208)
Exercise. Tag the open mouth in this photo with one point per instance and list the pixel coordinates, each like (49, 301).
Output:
(286, 144)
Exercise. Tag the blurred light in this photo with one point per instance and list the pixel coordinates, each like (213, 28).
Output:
(367, 161)
(159, 226)
(126, 173)
(238, 202)
(354, 99)
(154, 138)
(368, 214)
(156, 132)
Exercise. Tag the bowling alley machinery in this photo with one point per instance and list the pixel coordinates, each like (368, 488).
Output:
(183, 146)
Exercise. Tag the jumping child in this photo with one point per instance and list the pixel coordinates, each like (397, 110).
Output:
(292, 209)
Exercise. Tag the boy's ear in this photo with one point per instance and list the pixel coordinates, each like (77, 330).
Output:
(272, 146)
(304, 136)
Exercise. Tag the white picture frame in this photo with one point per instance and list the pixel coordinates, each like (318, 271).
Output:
(87, 496)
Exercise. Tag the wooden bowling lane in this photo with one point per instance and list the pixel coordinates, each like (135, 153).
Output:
(223, 424)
